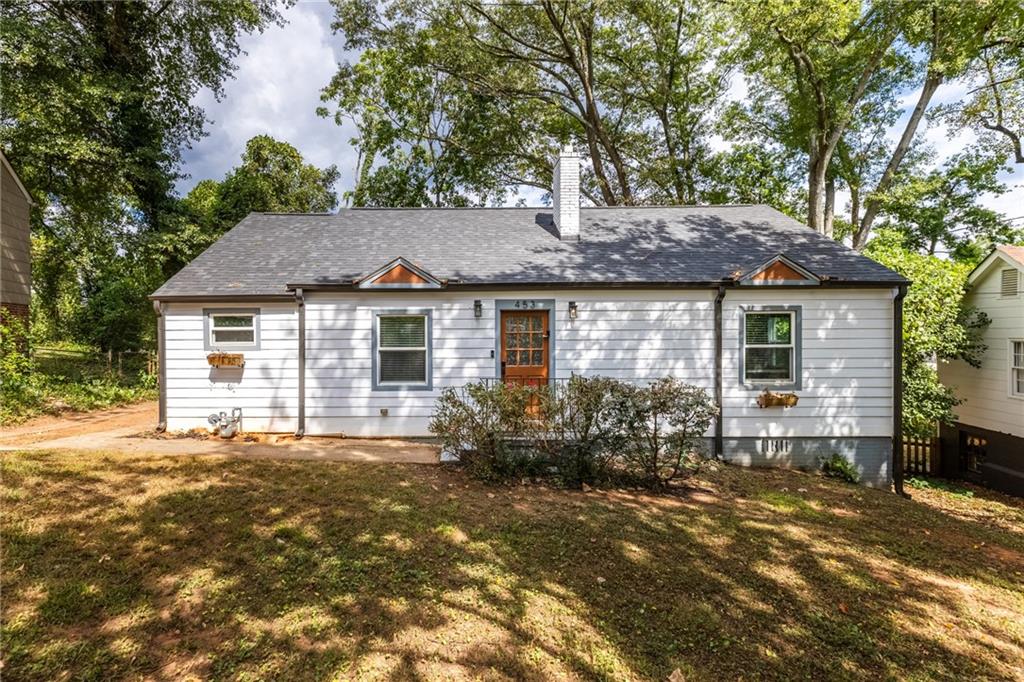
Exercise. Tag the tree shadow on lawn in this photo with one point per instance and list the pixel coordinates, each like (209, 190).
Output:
(169, 568)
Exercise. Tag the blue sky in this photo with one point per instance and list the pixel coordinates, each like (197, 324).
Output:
(276, 90)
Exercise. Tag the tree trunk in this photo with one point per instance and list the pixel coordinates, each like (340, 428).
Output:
(816, 192)
(931, 84)
(854, 205)
(830, 208)
(678, 183)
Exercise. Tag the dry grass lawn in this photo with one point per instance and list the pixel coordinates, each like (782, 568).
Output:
(175, 568)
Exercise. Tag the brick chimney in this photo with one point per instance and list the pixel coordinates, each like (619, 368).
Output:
(565, 194)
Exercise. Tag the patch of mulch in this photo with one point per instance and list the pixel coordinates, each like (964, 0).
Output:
(204, 434)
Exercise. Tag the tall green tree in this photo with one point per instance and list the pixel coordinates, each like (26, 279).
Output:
(937, 326)
(98, 101)
(994, 107)
(479, 96)
(98, 96)
(272, 177)
(821, 71)
(941, 209)
(815, 69)
(749, 173)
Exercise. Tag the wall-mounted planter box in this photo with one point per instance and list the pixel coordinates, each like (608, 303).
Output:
(772, 399)
(226, 359)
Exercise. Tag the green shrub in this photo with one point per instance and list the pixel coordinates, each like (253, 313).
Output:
(18, 390)
(837, 466)
(488, 428)
(581, 438)
(583, 431)
(663, 427)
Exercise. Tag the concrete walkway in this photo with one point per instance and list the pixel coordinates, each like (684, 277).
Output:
(107, 431)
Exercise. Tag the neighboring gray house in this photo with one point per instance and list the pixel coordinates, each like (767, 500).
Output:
(352, 323)
(986, 445)
(15, 246)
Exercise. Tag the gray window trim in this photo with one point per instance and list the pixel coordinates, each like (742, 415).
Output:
(547, 304)
(208, 342)
(798, 343)
(429, 384)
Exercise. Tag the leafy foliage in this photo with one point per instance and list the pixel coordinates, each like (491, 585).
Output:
(60, 380)
(664, 426)
(98, 104)
(582, 437)
(837, 466)
(949, 487)
(455, 101)
(273, 177)
(941, 208)
(98, 97)
(92, 280)
(589, 431)
(937, 325)
(486, 425)
(994, 107)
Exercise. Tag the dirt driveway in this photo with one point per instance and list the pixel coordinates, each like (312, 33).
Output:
(137, 417)
(129, 429)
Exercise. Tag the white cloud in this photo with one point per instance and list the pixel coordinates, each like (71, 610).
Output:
(276, 91)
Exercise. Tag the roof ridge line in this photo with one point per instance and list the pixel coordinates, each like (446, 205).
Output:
(547, 208)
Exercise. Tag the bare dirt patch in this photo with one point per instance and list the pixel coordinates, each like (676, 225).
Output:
(72, 424)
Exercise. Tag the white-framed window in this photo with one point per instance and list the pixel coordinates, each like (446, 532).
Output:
(1017, 368)
(770, 347)
(232, 328)
(402, 350)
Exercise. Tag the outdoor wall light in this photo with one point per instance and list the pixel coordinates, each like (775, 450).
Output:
(573, 310)
(478, 308)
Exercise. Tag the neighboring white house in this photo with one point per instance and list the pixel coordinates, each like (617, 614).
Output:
(987, 442)
(352, 323)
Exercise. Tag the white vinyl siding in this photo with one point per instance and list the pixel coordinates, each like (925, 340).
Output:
(988, 401)
(621, 334)
(846, 351)
(266, 388)
(845, 387)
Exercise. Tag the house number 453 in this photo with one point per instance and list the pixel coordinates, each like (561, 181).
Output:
(526, 305)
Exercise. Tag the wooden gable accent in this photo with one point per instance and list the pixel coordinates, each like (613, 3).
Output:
(777, 272)
(400, 274)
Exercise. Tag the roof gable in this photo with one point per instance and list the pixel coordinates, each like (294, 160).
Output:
(779, 270)
(400, 274)
(1002, 256)
(17, 180)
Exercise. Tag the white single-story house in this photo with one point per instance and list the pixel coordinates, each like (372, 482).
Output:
(351, 323)
(986, 444)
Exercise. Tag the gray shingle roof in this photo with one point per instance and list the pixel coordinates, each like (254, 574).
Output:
(265, 253)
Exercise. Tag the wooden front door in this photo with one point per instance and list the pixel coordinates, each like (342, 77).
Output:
(525, 347)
